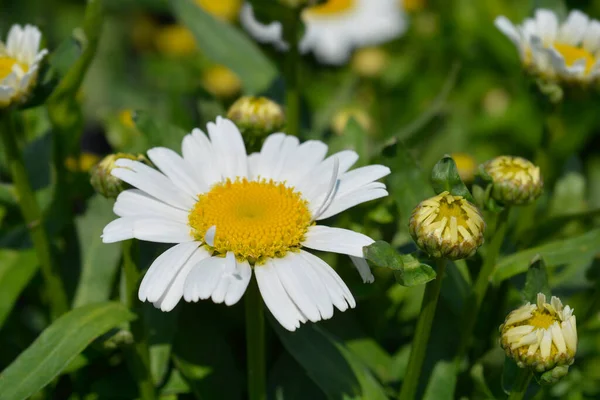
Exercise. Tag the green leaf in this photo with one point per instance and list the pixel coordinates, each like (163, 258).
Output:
(479, 380)
(226, 45)
(99, 260)
(383, 255)
(16, 270)
(330, 364)
(566, 251)
(415, 272)
(373, 356)
(536, 280)
(159, 132)
(445, 178)
(54, 349)
(510, 372)
(354, 138)
(442, 382)
(161, 328)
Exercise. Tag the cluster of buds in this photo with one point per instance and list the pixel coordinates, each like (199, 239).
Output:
(256, 117)
(102, 179)
(541, 336)
(515, 180)
(447, 226)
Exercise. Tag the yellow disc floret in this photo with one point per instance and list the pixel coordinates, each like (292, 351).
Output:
(330, 7)
(7, 64)
(255, 220)
(572, 54)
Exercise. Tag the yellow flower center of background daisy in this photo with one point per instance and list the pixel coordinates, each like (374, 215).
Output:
(227, 10)
(541, 320)
(574, 53)
(330, 7)
(6, 66)
(254, 220)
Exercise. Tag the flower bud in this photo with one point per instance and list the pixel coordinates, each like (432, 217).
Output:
(341, 118)
(515, 180)
(541, 336)
(221, 82)
(101, 178)
(447, 226)
(256, 116)
(466, 166)
(369, 62)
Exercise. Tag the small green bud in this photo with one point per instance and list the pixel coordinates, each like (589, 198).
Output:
(102, 179)
(121, 338)
(447, 226)
(257, 117)
(515, 180)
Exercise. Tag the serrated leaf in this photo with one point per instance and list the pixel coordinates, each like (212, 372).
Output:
(58, 344)
(445, 178)
(536, 280)
(226, 45)
(16, 270)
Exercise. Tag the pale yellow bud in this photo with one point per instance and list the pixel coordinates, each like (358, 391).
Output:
(221, 82)
(466, 166)
(102, 180)
(447, 226)
(126, 118)
(341, 118)
(541, 336)
(256, 116)
(369, 62)
(515, 180)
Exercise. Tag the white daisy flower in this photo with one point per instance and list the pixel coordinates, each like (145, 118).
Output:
(19, 63)
(541, 335)
(230, 214)
(567, 51)
(335, 28)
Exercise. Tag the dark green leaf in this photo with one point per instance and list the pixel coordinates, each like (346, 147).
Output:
(442, 382)
(383, 255)
(510, 372)
(445, 178)
(225, 44)
(54, 349)
(536, 280)
(479, 380)
(16, 270)
(409, 271)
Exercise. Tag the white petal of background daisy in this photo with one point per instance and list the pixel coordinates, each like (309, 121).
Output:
(567, 51)
(19, 62)
(229, 214)
(336, 27)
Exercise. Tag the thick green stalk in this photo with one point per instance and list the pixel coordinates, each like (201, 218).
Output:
(138, 355)
(255, 343)
(30, 209)
(521, 385)
(481, 284)
(422, 333)
(292, 62)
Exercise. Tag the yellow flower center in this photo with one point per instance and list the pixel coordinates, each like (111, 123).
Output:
(541, 320)
(330, 7)
(574, 53)
(6, 66)
(223, 9)
(255, 220)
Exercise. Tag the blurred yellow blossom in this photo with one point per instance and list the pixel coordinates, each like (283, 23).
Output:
(226, 10)
(220, 81)
(341, 118)
(175, 40)
(369, 62)
(466, 166)
(85, 162)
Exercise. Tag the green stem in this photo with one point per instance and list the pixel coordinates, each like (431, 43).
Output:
(481, 284)
(292, 61)
(255, 343)
(521, 384)
(33, 217)
(138, 355)
(422, 333)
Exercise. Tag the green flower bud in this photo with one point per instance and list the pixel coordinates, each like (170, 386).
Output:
(541, 336)
(515, 180)
(101, 178)
(447, 226)
(256, 117)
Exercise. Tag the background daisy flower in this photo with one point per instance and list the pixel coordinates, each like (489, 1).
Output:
(230, 214)
(566, 51)
(20, 57)
(336, 27)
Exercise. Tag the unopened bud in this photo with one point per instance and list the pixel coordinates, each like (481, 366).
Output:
(341, 118)
(541, 336)
(515, 180)
(447, 226)
(369, 62)
(103, 181)
(221, 82)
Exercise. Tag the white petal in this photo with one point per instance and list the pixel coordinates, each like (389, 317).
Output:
(218, 295)
(209, 236)
(174, 292)
(336, 240)
(363, 269)
(271, 33)
(152, 182)
(198, 153)
(573, 29)
(163, 270)
(510, 31)
(541, 300)
(268, 155)
(177, 170)
(569, 331)
(203, 279)
(307, 156)
(591, 39)
(134, 202)
(318, 204)
(276, 298)
(229, 148)
(516, 332)
(239, 283)
(151, 229)
(357, 178)
(547, 25)
(557, 338)
(546, 344)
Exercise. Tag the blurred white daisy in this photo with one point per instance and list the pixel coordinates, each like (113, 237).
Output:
(230, 214)
(567, 51)
(335, 28)
(19, 62)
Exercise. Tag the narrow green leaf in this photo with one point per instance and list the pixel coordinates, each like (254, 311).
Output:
(225, 44)
(536, 280)
(560, 252)
(99, 260)
(480, 383)
(442, 382)
(54, 349)
(16, 270)
(330, 364)
(445, 177)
